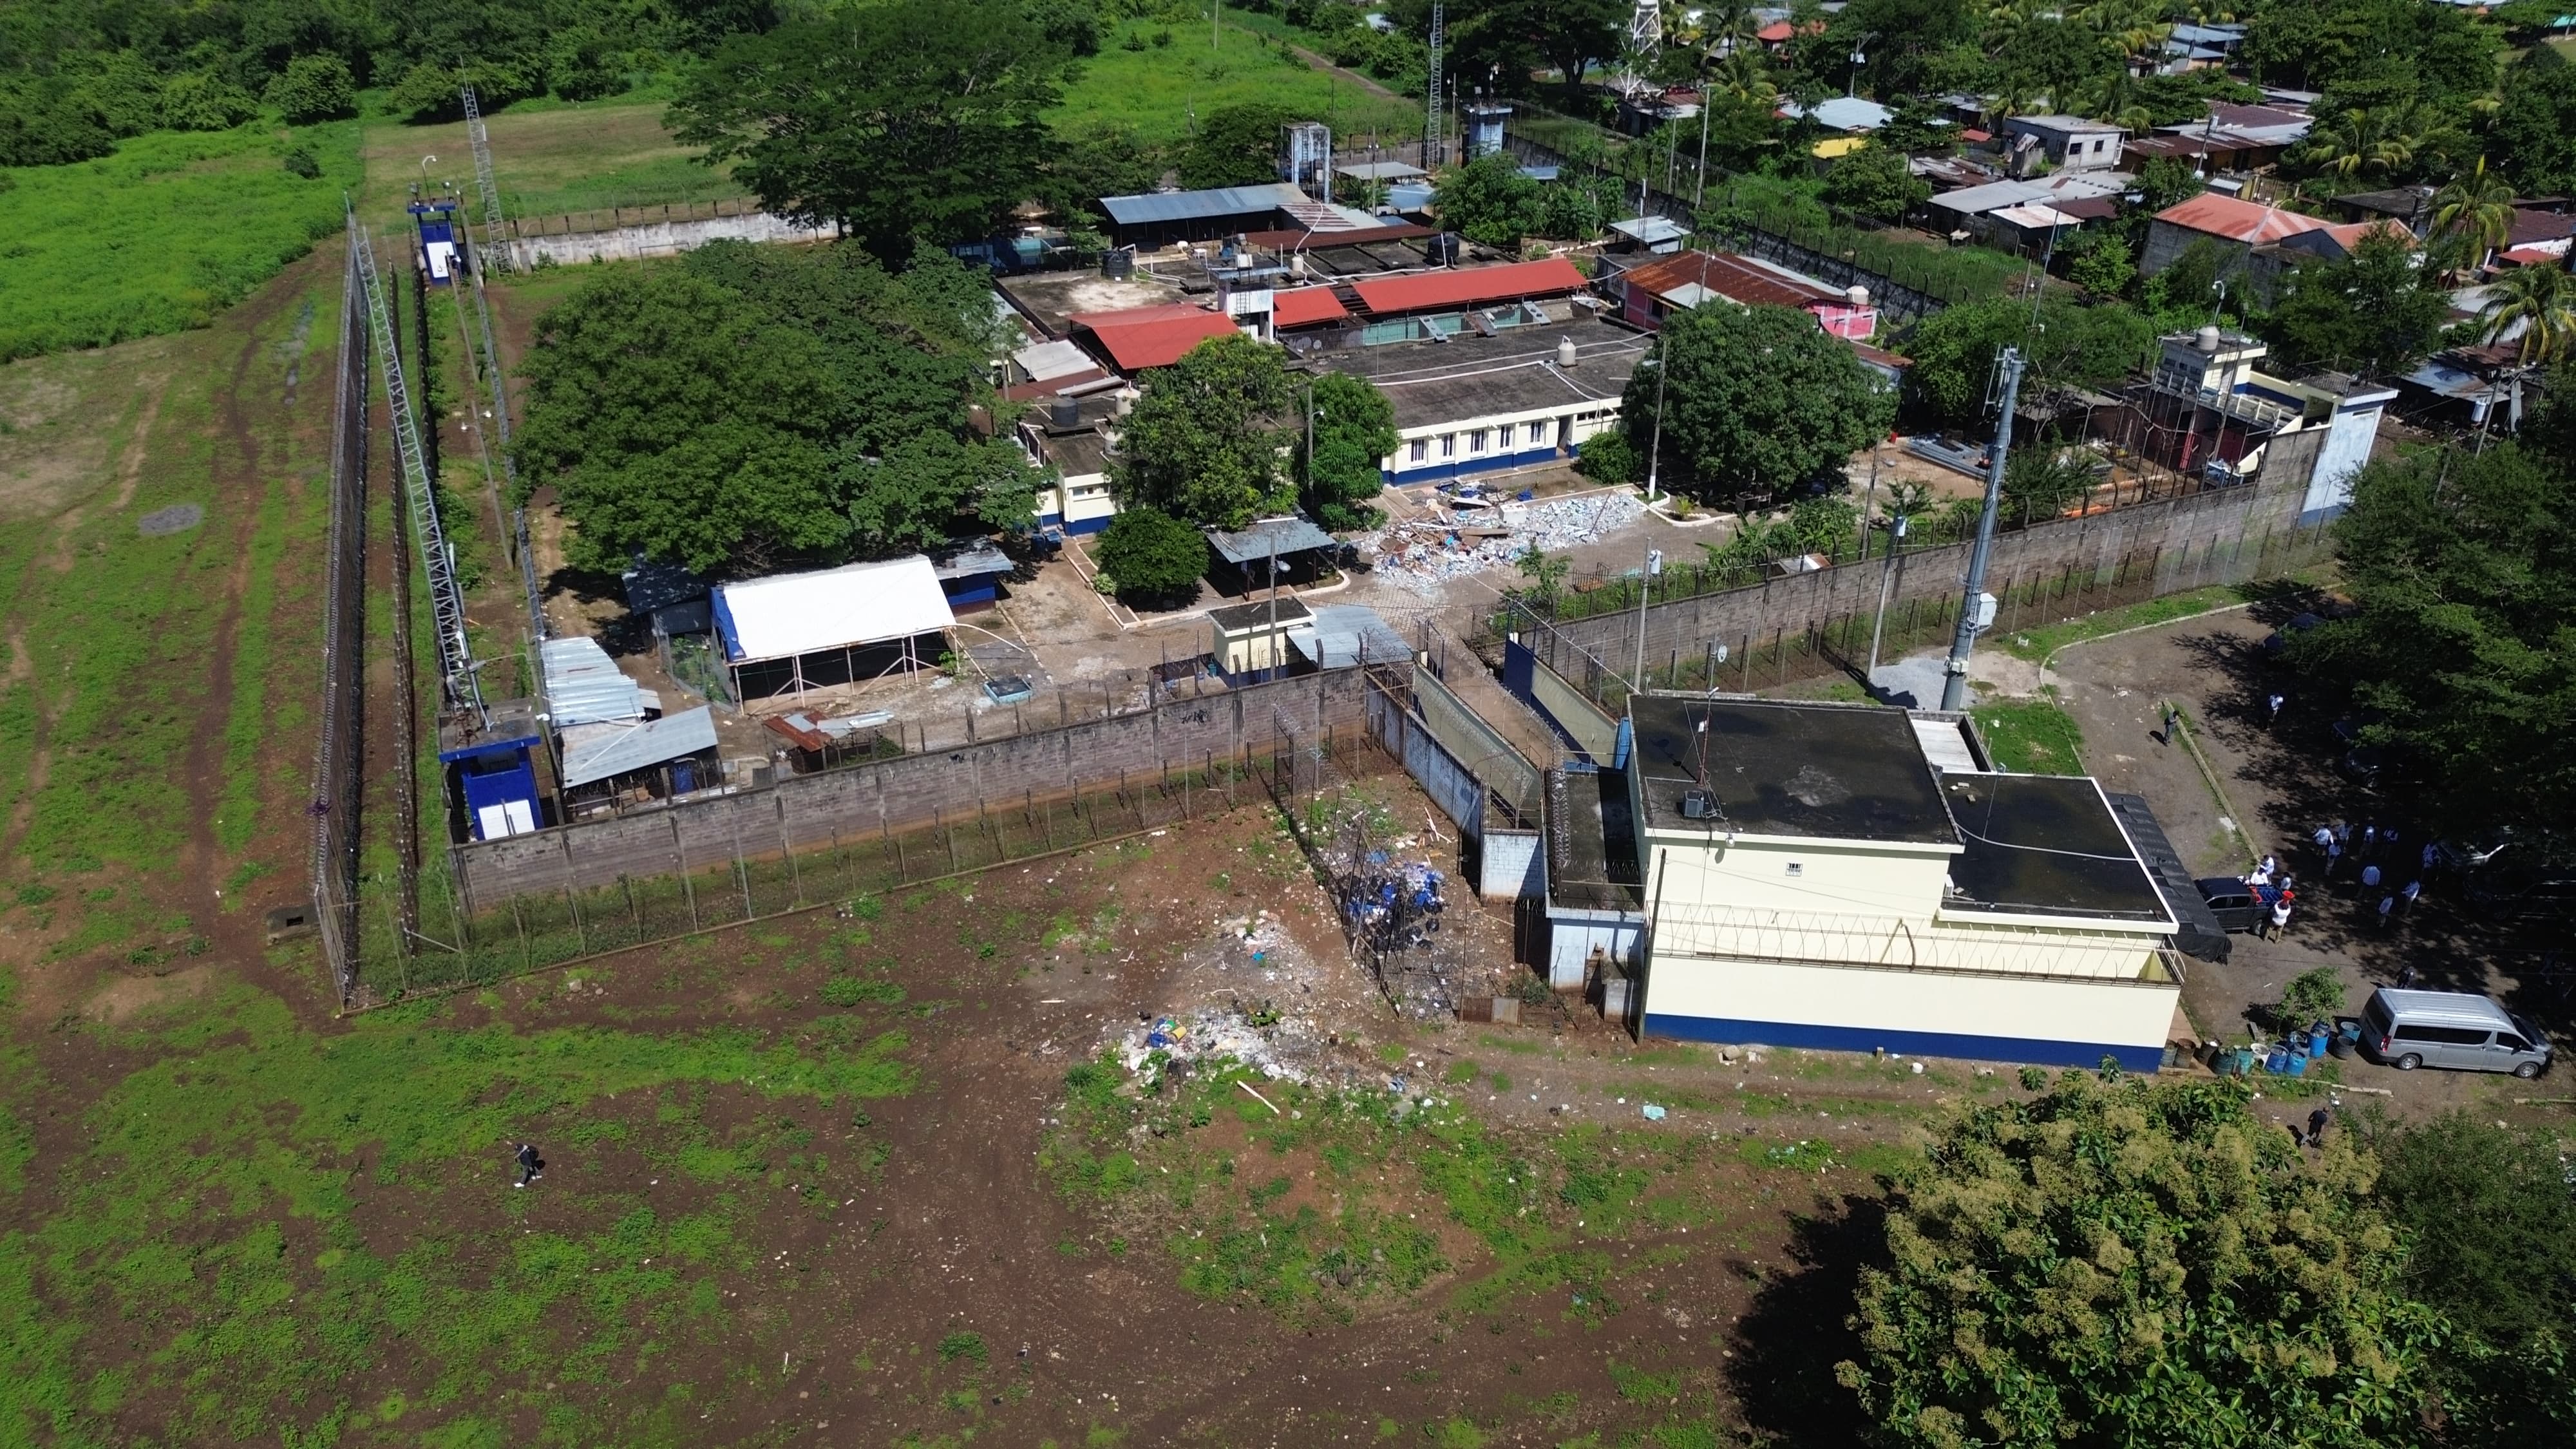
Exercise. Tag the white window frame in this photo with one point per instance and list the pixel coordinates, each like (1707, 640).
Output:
(1421, 451)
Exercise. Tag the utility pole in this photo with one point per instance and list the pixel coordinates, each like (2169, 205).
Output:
(1886, 576)
(1954, 690)
(1645, 590)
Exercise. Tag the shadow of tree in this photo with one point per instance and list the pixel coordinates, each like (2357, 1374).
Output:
(1786, 1345)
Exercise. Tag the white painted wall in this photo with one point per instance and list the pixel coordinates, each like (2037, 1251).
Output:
(1854, 997)
(1821, 876)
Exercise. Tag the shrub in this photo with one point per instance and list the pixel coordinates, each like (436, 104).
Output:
(1152, 557)
(314, 88)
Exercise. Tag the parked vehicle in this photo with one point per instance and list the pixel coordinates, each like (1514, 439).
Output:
(2499, 892)
(2463, 856)
(2450, 1029)
(2238, 906)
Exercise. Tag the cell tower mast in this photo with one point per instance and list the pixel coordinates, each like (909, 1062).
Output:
(1645, 44)
(483, 178)
(446, 601)
(1431, 122)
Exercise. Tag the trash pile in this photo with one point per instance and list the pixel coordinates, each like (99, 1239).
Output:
(1280, 1047)
(1391, 905)
(1423, 554)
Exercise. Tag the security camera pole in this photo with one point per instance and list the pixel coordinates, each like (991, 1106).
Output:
(1954, 690)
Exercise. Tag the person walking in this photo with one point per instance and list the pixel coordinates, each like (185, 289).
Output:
(2343, 834)
(2369, 840)
(2370, 876)
(2388, 842)
(2406, 897)
(2323, 837)
(2280, 924)
(2386, 905)
(2406, 976)
(2173, 717)
(2429, 858)
(2317, 1127)
(2274, 704)
(2334, 857)
(530, 1165)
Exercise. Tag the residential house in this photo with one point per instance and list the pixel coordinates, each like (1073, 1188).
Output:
(2209, 410)
(2235, 227)
(1489, 401)
(1654, 290)
(2070, 143)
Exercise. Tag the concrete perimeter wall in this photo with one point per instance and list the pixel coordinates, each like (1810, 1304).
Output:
(657, 239)
(2204, 538)
(803, 812)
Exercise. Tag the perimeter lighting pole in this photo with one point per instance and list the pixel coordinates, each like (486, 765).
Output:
(1886, 576)
(1654, 560)
(1954, 690)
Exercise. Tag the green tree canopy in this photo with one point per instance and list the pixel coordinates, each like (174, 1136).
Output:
(1205, 439)
(753, 407)
(2535, 122)
(2064, 344)
(1354, 434)
(1760, 401)
(2371, 313)
(314, 88)
(1235, 146)
(2464, 568)
(906, 122)
(1153, 558)
(2133, 1262)
(1874, 182)
(1490, 202)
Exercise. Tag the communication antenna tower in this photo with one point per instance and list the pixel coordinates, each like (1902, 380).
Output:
(1431, 122)
(1645, 43)
(446, 601)
(483, 178)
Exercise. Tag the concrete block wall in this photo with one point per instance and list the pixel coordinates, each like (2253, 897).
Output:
(818, 812)
(2174, 530)
(658, 239)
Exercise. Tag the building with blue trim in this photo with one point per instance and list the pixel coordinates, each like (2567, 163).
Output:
(1499, 396)
(1811, 878)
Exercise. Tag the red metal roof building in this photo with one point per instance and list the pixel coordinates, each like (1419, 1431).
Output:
(1142, 337)
(1468, 287)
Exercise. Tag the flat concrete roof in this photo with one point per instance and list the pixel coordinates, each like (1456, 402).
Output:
(1782, 768)
(2044, 845)
(1591, 843)
(1513, 371)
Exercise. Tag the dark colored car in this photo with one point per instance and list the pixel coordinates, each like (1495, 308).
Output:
(2238, 906)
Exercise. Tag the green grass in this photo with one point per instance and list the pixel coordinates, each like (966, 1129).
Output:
(162, 235)
(1161, 89)
(2031, 736)
(549, 160)
(2047, 639)
(210, 1229)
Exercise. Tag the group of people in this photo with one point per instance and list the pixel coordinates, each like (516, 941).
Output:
(2280, 889)
(2382, 855)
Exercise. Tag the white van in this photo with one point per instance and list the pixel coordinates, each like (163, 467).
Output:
(2410, 1029)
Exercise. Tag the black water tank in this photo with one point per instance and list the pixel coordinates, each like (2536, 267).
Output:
(1444, 249)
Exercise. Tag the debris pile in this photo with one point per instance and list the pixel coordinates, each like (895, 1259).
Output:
(1423, 554)
(1277, 1045)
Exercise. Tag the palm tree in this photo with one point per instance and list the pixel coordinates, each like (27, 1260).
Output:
(2131, 27)
(1743, 74)
(2476, 206)
(2008, 19)
(2542, 301)
(2359, 141)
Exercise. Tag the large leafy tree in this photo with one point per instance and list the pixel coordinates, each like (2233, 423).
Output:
(1874, 182)
(2370, 313)
(911, 121)
(755, 406)
(2535, 122)
(1153, 558)
(1235, 146)
(1489, 201)
(2130, 1262)
(2062, 344)
(1760, 400)
(2464, 567)
(2334, 44)
(1205, 439)
(1354, 434)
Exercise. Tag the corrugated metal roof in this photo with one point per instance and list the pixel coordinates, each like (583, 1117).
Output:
(583, 685)
(2224, 216)
(1469, 286)
(1843, 113)
(1255, 542)
(1048, 360)
(1347, 634)
(1651, 229)
(1158, 206)
(2036, 214)
(1379, 170)
(1304, 306)
(968, 558)
(1156, 340)
(592, 753)
(1993, 196)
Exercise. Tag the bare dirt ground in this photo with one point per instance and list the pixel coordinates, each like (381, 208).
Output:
(2279, 786)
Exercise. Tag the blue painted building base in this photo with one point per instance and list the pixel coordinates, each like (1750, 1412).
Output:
(1906, 1043)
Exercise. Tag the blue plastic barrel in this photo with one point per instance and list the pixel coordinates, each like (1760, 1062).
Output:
(2298, 1064)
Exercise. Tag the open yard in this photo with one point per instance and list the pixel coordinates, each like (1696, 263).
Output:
(548, 159)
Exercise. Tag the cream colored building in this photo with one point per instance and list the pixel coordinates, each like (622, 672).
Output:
(1812, 878)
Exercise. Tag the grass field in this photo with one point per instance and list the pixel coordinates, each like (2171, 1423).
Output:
(2032, 736)
(1161, 89)
(162, 235)
(548, 160)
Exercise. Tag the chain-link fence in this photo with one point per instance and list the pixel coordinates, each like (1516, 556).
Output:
(337, 787)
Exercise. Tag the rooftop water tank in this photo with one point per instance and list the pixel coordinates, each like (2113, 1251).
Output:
(1565, 352)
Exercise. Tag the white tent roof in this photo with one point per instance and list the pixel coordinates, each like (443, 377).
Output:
(862, 603)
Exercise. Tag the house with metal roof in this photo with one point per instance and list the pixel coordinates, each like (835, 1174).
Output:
(1286, 550)
(2071, 143)
(2235, 227)
(1650, 292)
(1481, 403)
(1139, 338)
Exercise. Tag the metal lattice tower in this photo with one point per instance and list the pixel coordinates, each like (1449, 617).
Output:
(446, 601)
(1645, 45)
(483, 175)
(1431, 121)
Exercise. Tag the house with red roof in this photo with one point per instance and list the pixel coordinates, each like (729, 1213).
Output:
(2235, 227)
